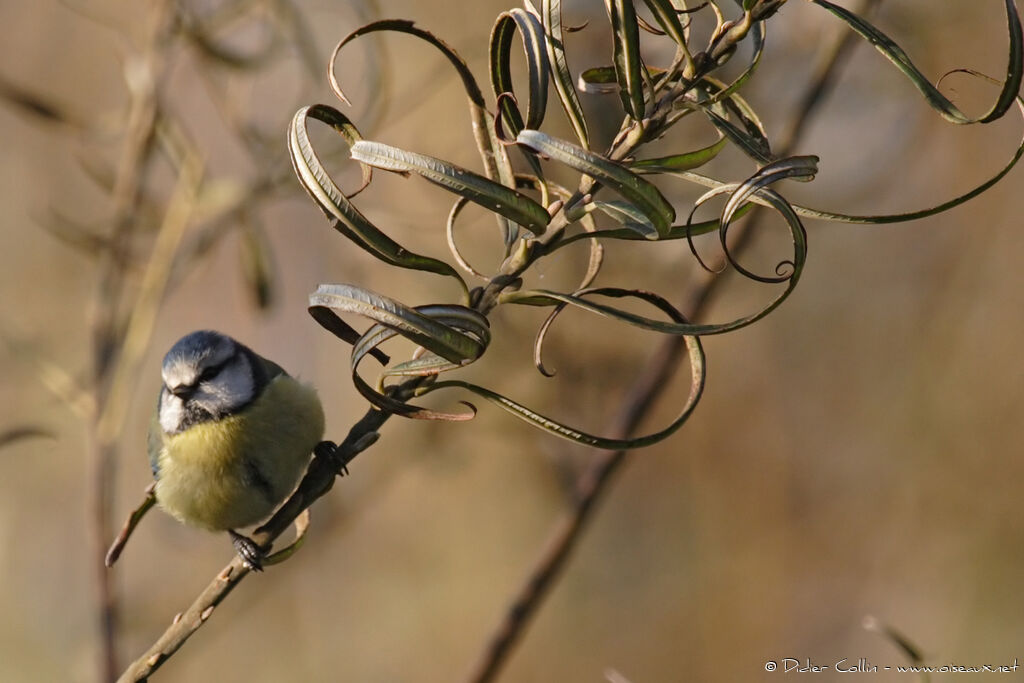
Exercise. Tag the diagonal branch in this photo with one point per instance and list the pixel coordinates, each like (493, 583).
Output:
(318, 480)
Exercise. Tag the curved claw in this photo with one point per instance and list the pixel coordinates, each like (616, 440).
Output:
(252, 555)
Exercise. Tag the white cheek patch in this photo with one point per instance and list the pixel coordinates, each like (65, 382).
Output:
(172, 412)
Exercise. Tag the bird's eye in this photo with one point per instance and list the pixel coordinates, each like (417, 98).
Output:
(209, 373)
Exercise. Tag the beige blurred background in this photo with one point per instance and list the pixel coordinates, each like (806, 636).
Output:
(857, 452)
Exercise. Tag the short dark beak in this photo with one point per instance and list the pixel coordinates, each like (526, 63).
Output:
(183, 391)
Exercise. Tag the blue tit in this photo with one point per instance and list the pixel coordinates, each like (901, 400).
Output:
(232, 434)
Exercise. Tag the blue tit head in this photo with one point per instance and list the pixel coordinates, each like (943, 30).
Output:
(207, 376)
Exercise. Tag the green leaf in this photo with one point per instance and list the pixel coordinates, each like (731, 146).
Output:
(798, 168)
(666, 16)
(895, 54)
(675, 233)
(756, 147)
(645, 196)
(884, 219)
(347, 219)
(330, 321)
(602, 80)
(473, 91)
(545, 297)
(444, 328)
(456, 317)
(508, 202)
(681, 162)
(434, 336)
(551, 15)
(629, 216)
(626, 57)
(532, 33)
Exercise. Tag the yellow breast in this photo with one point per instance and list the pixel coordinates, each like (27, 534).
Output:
(233, 472)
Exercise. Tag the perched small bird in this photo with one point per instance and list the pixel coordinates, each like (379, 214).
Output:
(232, 434)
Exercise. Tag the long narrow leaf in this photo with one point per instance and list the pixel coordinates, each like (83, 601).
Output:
(677, 232)
(602, 80)
(681, 162)
(381, 397)
(626, 57)
(798, 168)
(508, 202)
(883, 219)
(645, 196)
(347, 219)
(545, 297)
(895, 54)
(532, 33)
(755, 147)
(454, 321)
(551, 17)
(695, 354)
(439, 338)
(630, 217)
(492, 153)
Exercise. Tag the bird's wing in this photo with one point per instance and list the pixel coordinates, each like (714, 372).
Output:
(271, 368)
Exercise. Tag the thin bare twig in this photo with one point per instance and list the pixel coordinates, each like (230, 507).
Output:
(126, 195)
(596, 479)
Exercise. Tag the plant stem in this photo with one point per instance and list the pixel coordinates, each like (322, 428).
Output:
(596, 479)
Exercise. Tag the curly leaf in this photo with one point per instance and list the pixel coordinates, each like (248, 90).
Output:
(798, 168)
(676, 232)
(695, 354)
(885, 218)
(895, 54)
(645, 196)
(436, 337)
(626, 56)
(532, 33)
(347, 219)
(545, 297)
(551, 16)
(510, 203)
(630, 217)
(330, 321)
(473, 91)
(755, 146)
(454, 321)
(492, 152)
(681, 162)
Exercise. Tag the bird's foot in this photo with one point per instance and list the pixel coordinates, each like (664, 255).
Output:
(252, 555)
(326, 450)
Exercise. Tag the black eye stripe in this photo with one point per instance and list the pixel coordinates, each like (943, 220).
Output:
(212, 371)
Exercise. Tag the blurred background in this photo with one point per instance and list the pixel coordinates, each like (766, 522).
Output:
(856, 453)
